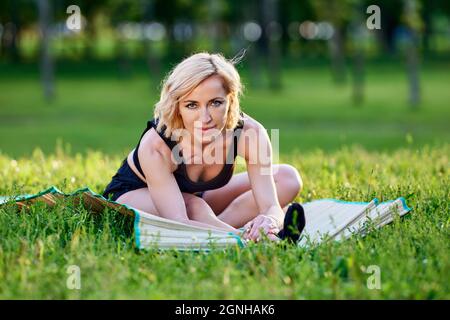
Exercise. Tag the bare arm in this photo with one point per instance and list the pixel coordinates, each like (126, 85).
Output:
(163, 188)
(258, 157)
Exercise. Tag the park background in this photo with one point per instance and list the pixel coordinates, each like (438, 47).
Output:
(362, 113)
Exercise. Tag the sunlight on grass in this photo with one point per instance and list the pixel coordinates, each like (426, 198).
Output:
(37, 246)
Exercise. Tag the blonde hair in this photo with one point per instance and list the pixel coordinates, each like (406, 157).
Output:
(185, 77)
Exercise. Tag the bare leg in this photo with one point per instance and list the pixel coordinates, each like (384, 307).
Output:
(235, 203)
(232, 205)
(244, 208)
(197, 209)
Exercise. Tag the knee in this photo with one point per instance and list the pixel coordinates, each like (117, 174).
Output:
(195, 207)
(290, 177)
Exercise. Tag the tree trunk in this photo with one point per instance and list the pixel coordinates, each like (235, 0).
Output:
(214, 17)
(153, 63)
(123, 60)
(428, 21)
(336, 45)
(13, 29)
(412, 62)
(46, 64)
(412, 54)
(253, 49)
(358, 77)
(270, 16)
(358, 33)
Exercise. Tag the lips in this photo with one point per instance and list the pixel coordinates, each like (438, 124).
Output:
(206, 129)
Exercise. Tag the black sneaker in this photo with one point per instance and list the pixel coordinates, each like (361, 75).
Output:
(294, 223)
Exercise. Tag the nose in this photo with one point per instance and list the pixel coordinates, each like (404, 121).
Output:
(205, 116)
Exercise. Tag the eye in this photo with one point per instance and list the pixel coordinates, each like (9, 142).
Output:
(217, 103)
(191, 106)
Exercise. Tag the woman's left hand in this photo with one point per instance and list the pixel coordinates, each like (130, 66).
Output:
(263, 223)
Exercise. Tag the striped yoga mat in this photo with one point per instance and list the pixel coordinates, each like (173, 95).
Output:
(325, 219)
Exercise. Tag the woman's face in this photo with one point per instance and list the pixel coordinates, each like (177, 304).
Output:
(204, 111)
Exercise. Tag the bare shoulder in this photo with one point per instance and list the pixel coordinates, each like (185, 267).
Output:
(251, 124)
(152, 141)
(251, 135)
(153, 151)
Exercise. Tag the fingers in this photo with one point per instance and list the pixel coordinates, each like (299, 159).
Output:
(260, 226)
(248, 225)
(255, 228)
(247, 228)
(252, 230)
(273, 237)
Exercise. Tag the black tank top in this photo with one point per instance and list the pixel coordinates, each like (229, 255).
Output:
(184, 182)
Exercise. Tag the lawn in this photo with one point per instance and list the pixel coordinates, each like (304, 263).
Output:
(380, 149)
(97, 108)
(38, 246)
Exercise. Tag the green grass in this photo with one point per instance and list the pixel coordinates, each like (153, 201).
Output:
(381, 149)
(38, 245)
(97, 108)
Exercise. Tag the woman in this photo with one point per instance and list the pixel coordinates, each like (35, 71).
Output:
(170, 172)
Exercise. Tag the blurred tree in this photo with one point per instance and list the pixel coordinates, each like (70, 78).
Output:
(89, 10)
(391, 11)
(46, 65)
(15, 15)
(358, 31)
(153, 63)
(429, 10)
(214, 13)
(233, 14)
(339, 13)
(13, 28)
(122, 12)
(292, 13)
(176, 14)
(272, 32)
(251, 31)
(412, 20)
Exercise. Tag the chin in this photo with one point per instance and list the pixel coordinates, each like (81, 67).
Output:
(207, 138)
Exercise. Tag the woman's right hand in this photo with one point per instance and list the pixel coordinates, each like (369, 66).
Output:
(261, 224)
